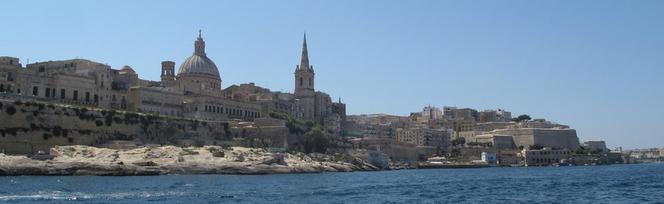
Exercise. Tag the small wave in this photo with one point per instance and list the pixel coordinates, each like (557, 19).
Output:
(54, 195)
(74, 196)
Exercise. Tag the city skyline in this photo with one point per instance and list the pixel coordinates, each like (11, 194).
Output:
(597, 83)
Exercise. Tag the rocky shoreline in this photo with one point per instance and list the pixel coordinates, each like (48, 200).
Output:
(86, 160)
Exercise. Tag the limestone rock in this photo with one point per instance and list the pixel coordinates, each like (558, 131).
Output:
(86, 160)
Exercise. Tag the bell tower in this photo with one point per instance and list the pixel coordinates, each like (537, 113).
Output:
(304, 74)
(167, 71)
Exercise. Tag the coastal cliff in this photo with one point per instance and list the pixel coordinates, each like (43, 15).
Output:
(86, 160)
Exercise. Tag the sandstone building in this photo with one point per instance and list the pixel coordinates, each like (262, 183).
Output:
(194, 91)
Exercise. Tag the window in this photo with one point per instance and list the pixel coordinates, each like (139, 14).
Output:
(75, 95)
(309, 82)
(96, 98)
(53, 92)
(11, 62)
(35, 91)
(62, 93)
(2, 87)
(41, 69)
(47, 93)
(87, 96)
(301, 81)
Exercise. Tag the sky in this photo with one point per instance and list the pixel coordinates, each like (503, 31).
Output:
(597, 66)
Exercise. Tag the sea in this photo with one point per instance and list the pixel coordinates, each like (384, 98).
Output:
(635, 183)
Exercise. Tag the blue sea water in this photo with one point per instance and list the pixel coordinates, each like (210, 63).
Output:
(642, 183)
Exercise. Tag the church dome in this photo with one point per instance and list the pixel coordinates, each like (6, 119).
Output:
(199, 63)
(196, 64)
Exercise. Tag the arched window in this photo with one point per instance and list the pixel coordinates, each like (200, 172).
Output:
(309, 82)
(301, 81)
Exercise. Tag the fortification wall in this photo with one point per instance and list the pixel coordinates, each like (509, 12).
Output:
(27, 127)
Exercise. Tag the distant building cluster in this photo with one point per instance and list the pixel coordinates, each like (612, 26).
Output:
(194, 91)
(466, 132)
(646, 155)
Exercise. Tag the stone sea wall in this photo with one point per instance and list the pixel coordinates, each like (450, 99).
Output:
(28, 127)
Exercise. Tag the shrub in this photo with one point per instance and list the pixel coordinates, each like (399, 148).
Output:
(109, 120)
(57, 131)
(316, 140)
(10, 110)
(34, 126)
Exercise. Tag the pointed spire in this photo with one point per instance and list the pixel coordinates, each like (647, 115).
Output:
(304, 63)
(199, 34)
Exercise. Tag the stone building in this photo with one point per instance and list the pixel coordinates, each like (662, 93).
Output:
(314, 105)
(499, 115)
(597, 145)
(410, 135)
(430, 113)
(545, 156)
(75, 81)
(546, 137)
(496, 141)
(195, 90)
(421, 136)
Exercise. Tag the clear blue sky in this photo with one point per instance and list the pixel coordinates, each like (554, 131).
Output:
(595, 65)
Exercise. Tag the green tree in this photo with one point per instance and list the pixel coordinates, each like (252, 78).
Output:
(580, 150)
(294, 125)
(459, 141)
(10, 110)
(316, 140)
(536, 147)
(455, 153)
(522, 118)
